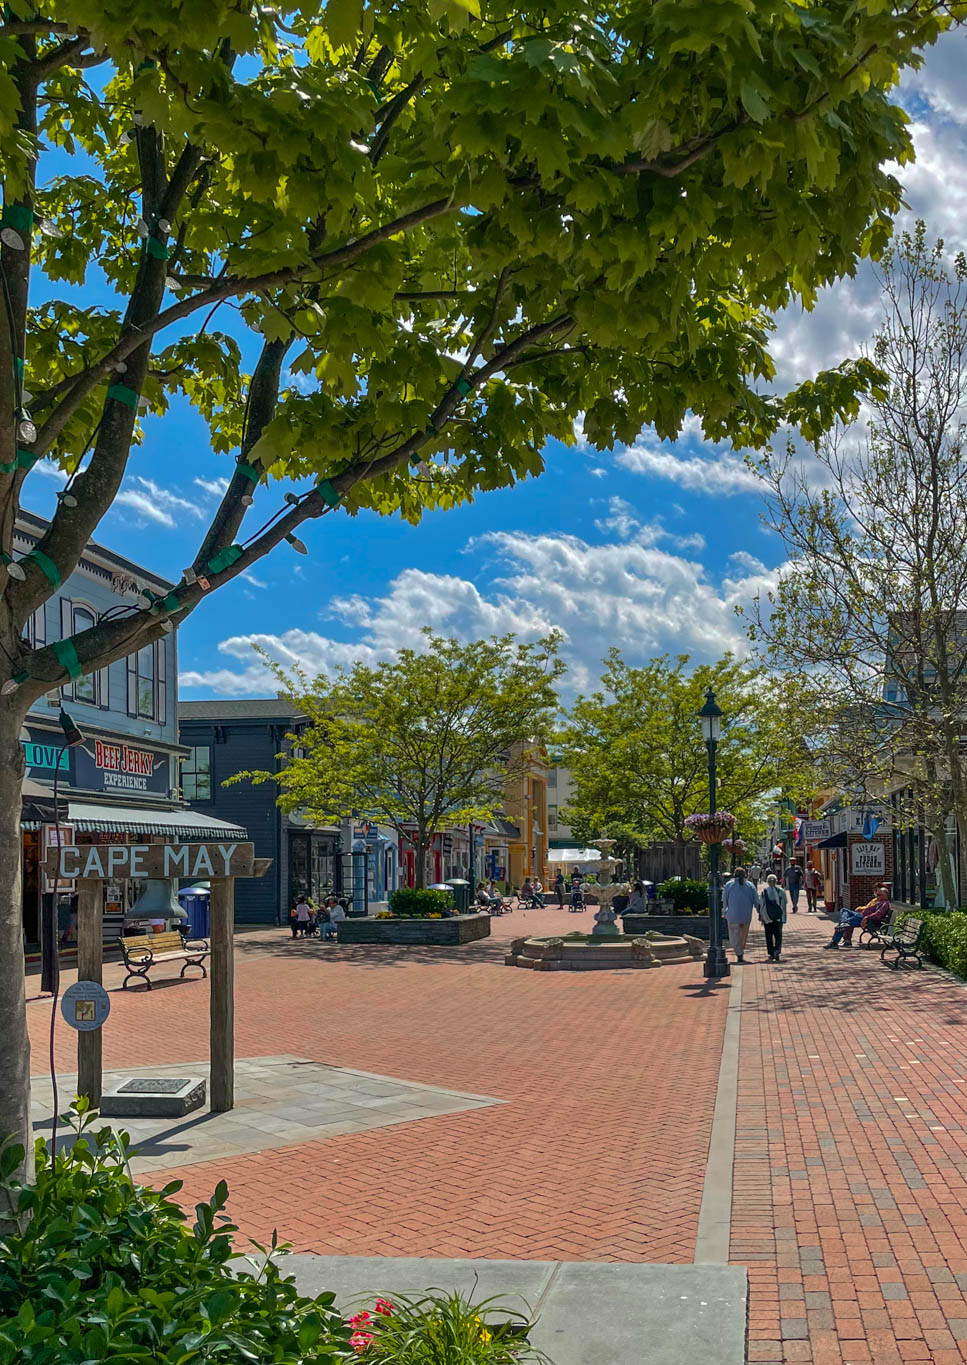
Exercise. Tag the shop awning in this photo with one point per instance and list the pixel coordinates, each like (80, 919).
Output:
(180, 825)
(834, 841)
(574, 855)
(498, 827)
(38, 805)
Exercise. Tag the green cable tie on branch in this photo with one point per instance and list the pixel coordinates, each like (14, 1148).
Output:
(224, 558)
(8, 469)
(21, 678)
(67, 654)
(171, 603)
(47, 564)
(248, 470)
(122, 394)
(26, 459)
(329, 494)
(463, 386)
(18, 361)
(18, 216)
(156, 249)
(374, 87)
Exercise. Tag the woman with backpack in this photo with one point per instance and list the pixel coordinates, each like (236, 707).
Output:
(772, 912)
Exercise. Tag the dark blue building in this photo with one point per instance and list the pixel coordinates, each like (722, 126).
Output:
(227, 737)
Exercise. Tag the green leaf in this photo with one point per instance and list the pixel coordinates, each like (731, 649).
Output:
(753, 103)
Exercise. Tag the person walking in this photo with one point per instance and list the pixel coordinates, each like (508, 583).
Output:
(560, 886)
(794, 885)
(303, 914)
(755, 875)
(812, 889)
(739, 899)
(772, 912)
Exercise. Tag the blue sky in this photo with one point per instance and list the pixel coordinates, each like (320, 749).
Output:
(648, 548)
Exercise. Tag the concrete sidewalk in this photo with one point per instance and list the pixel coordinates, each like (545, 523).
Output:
(588, 1313)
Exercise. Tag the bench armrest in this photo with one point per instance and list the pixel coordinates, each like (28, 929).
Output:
(195, 944)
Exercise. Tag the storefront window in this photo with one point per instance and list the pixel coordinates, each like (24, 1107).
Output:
(298, 865)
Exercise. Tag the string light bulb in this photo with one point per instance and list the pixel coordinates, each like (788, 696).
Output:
(167, 625)
(66, 498)
(292, 499)
(164, 225)
(25, 427)
(189, 576)
(129, 135)
(297, 544)
(143, 229)
(12, 238)
(9, 687)
(12, 567)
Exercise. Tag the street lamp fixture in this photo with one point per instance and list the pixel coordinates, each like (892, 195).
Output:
(716, 963)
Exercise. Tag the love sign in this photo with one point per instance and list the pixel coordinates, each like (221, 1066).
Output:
(120, 862)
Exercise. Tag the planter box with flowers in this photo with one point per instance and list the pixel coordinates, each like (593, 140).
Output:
(415, 917)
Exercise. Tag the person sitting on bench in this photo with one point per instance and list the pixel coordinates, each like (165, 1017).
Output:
(868, 916)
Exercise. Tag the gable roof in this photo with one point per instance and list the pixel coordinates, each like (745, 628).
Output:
(247, 708)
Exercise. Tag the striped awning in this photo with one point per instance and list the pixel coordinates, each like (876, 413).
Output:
(87, 817)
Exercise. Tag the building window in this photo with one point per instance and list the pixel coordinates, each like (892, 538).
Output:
(552, 777)
(147, 682)
(196, 775)
(552, 817)
(91, 688)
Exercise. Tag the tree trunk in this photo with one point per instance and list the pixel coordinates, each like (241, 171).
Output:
(419, 879)
(15, 1046)
(943, 863)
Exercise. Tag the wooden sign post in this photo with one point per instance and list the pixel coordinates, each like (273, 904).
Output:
(90, 864)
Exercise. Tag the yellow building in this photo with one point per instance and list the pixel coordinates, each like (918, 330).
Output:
(525, 806)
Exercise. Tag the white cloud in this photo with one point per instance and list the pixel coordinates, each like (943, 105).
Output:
(255, 582)
(621, 518)
(722, 472)
(635, 594)
(215, 488)
(153, 503)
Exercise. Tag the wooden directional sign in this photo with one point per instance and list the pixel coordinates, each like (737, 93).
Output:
(113, 862)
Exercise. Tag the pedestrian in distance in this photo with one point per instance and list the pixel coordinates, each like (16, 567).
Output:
(813, 882)
(755, 875)
(636, 901)
(794, 879)
(537, 891)
(560, 886)
(772, 912)
(739, 899)
(303, 914)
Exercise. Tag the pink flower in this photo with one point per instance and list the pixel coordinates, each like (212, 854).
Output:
(383, 1306)
(360, 1340)
(358, 1319)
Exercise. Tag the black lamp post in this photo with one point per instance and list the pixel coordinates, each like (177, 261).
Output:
(716, 963)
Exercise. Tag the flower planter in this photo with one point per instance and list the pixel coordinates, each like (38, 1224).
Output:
(456, 929)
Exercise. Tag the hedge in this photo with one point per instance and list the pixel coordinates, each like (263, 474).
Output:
(945, 937)
(409, 903)
(687, 896)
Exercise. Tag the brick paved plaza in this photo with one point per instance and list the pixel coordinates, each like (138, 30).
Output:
(849, 1184)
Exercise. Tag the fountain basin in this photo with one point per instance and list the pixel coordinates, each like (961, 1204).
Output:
(584, 953)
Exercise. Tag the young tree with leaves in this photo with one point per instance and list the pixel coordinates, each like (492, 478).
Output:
(638, 763)
(453, 224)
(425, 743)
(873, 602)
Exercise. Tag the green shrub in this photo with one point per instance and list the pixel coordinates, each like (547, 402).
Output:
(945, 938)
(97, 1269)
(688, 897)
(441, 1329)
(409, 903)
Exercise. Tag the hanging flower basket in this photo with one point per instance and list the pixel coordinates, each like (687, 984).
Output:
(736, 846)
(711, 829)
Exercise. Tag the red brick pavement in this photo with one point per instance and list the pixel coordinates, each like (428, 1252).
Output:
(598, 1152)
(851, 1158)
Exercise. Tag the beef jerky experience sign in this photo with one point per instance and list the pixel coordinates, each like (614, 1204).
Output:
(135, 862)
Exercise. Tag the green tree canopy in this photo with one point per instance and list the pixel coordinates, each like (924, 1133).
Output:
(425, 743)
(638, 761)
(390, 249)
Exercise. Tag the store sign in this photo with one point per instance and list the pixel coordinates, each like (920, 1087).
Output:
(868, 860)
(815, 829)
(45, 754)
(107, 862)
(114, 765)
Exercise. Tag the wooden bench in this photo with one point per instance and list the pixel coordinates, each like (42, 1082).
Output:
(141, 952)
(905, 940)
